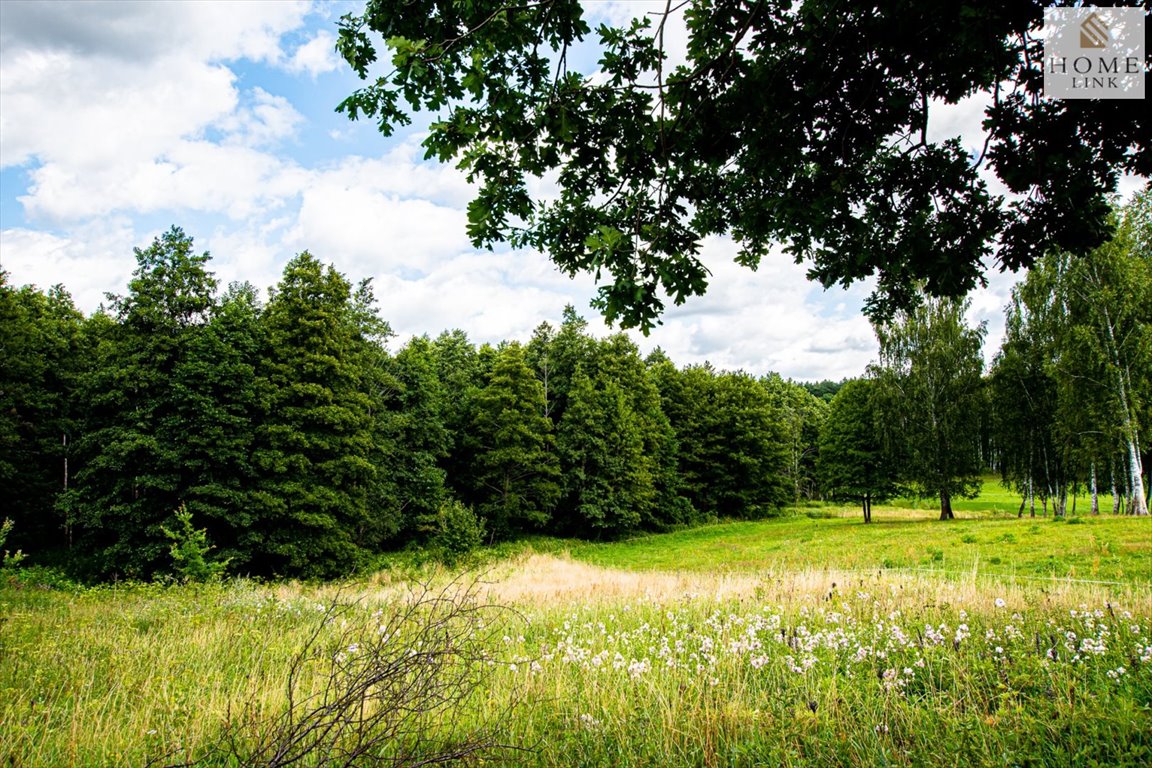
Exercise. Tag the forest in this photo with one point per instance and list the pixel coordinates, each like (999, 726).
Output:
(291, 436)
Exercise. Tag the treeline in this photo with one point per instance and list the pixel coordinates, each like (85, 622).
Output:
(290, 432)
(1064, 409)
(303, 446)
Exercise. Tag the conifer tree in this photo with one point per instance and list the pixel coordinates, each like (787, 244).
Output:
(514, 474)
(313, 509)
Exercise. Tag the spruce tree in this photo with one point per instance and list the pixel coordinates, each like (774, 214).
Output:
(313, 513)
(514, 474)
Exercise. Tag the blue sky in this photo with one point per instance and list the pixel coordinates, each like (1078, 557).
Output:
(119, 119)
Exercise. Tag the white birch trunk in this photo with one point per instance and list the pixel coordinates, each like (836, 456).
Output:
(1095, 495)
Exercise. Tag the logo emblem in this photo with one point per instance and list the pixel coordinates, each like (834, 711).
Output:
(1093, 33)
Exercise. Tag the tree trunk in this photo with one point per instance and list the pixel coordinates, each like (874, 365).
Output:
(1139, 505)
(1023, 501)
(946, 506)
(1095, 492)
(867, 508)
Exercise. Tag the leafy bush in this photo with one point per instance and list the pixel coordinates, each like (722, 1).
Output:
(458, 531)
(189, 551)
(9, 559)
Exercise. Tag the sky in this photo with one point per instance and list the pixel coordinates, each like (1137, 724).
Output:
(121, 119)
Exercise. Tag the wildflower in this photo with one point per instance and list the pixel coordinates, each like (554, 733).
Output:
(1000, 602)
(589, 722)
(637, 668)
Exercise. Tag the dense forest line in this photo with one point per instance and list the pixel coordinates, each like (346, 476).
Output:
(291, 434)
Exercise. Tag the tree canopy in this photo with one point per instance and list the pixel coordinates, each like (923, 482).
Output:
(930, 396)
(805, 125)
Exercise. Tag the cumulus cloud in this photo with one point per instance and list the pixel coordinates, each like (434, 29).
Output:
(110, 102)
(91, 260)
(316, 56)
(122, 115)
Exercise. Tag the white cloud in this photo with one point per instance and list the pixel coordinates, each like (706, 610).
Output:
(316, 56)
(111, 102)
(264, 121)
(363, 229)
(122, 110)
(93, 259)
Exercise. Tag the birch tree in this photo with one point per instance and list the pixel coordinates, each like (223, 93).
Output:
(931, 397)
(1106, 354)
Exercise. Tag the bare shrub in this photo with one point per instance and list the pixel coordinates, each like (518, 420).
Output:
(405, 685)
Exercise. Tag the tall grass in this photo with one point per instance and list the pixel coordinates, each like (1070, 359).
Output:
(786, 642)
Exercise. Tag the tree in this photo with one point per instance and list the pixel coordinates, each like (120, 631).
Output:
(216, 408)
(804, 124)
(39, 364)
(733, 453)
(133, 456)
(802, 415)
(931, 397)
(314, 507)
(1104, 352)
(412, 440)
(852, 462)
(607, 477)
(1023, 396)
(514, 476)
(616, 446)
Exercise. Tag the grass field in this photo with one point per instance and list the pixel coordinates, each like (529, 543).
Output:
(796, 641)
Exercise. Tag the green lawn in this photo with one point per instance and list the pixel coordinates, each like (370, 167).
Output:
(987, 538)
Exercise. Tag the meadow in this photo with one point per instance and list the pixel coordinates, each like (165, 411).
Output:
(807, 640)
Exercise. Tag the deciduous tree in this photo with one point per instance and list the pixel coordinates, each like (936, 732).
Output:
(806, 124)
(931, 397)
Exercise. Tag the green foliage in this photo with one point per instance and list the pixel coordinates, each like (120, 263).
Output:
(930, 398)
(314, 510)
(138, 448)
(458, 531)
(733, 449)
(802, 415)
(853, 463)
(515, 476)
(818, 109)
(39, 365)
(189, 551)
(9, 559)
(616, 446)
(412, 439)
(1072, 382)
